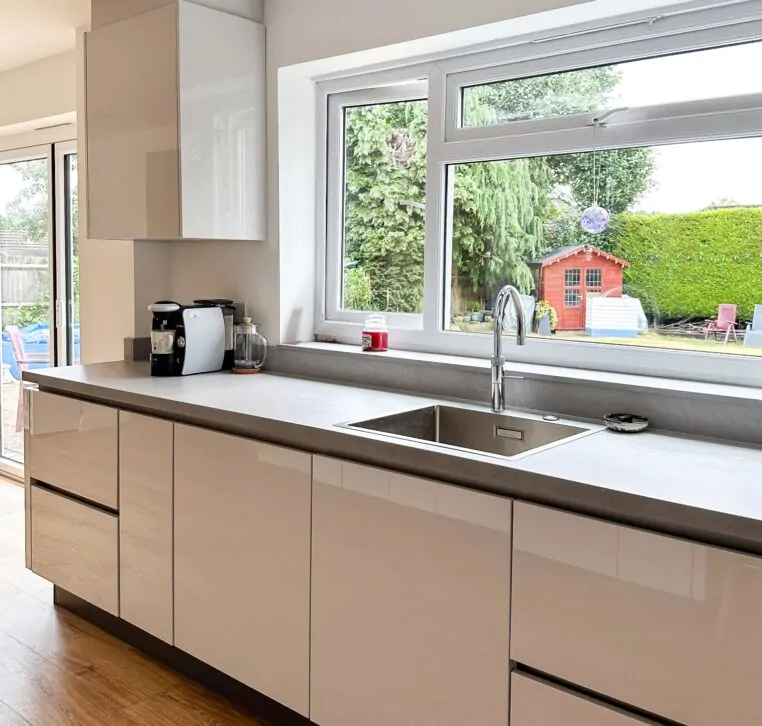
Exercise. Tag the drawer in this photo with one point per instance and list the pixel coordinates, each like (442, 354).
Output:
(73, 446)
(669, 626)
(537, 703)
(76, 546)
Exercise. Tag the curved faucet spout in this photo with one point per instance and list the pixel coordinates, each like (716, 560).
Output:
(508, 294)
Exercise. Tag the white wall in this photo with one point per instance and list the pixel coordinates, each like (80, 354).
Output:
(306, 30)
(190, 270)
(252, 9)
(39, 90)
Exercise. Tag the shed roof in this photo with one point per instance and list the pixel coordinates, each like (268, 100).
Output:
(562, 253)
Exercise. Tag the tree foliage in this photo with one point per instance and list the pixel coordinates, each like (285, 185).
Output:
(29, 213)
(385, 189)
(686, 265)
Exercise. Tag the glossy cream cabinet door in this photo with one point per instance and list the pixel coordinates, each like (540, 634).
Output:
(72, 445)
(145, 523)
(242, 560)
(410, 600)
(222, 125)
(132, 128)
(537, 703)
(665, 625)
(75, 546)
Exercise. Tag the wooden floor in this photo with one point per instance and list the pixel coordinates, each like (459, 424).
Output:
(58, 670)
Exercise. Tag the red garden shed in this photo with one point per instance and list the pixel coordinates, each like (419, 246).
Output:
(566, 276)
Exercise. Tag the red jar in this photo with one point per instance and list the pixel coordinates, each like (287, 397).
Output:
(375, 334)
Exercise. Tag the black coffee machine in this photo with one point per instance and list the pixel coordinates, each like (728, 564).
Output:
(186, 339)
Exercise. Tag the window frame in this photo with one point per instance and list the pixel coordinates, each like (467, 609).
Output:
(449, 145)
(337, 104)
(599, 276)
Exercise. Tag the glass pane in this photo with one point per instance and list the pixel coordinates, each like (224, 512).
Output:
(72, 247)
(24, 288)
(571, 277)
(679, 266)
(594, 278)
(384, 210)
(693, 76)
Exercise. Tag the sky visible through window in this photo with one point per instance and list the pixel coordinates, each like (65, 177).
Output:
(682, 180)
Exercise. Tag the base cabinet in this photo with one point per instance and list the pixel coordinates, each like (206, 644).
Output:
(537, 703)
(242, 560)
(145, 523)
(670, 626)
(410, 601)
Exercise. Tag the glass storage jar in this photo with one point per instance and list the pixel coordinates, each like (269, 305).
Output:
(250, 348)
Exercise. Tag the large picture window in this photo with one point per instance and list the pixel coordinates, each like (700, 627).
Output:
(437, 199)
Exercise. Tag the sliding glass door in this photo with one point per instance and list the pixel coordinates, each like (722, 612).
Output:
(39, 276)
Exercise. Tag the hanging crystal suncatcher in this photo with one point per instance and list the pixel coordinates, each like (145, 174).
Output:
(595, 218)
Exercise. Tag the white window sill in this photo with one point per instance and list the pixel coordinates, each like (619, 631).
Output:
(651, 384)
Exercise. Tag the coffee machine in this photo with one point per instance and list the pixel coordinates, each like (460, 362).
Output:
(186, 339)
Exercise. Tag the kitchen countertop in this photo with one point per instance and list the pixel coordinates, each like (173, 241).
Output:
(705, 490)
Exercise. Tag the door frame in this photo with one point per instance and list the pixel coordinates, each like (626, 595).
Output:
(62, 308)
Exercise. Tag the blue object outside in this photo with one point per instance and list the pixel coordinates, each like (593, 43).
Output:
(603, 333)
(36, 339)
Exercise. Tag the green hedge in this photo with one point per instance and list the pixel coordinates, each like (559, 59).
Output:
(685, 265)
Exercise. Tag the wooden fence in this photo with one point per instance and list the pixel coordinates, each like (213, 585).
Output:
(24, 276)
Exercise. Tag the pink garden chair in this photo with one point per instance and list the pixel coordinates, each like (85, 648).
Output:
(724, 323)
(23, 359)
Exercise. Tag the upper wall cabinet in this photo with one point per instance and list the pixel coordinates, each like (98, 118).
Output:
(176, 126)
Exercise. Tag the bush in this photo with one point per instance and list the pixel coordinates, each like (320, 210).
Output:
(357, 289)
(685, 265)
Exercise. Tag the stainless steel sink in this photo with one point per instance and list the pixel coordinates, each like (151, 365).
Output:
(497, 434)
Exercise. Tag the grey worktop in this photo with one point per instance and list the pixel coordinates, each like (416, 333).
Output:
(705, 490)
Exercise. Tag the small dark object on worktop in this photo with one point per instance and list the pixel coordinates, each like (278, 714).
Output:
(626, 423)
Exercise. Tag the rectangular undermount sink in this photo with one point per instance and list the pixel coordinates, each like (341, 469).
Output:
(505, 435)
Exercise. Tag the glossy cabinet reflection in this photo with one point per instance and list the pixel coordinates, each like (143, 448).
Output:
(145, 523)
(242, 560)
(667, 625)
(72, 445)
(537, 703)
(75, 546)
(175, 129)
(410, 600)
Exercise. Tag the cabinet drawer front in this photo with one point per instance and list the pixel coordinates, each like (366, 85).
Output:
(73, 446)
(410, 600)
(536, 703)
(75, 546)
(669, 626)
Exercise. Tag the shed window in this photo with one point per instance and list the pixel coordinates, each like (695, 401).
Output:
(594, 279)
(572, 298)
(572, 278)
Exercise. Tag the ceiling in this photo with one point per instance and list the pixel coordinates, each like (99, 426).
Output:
(34, 29)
